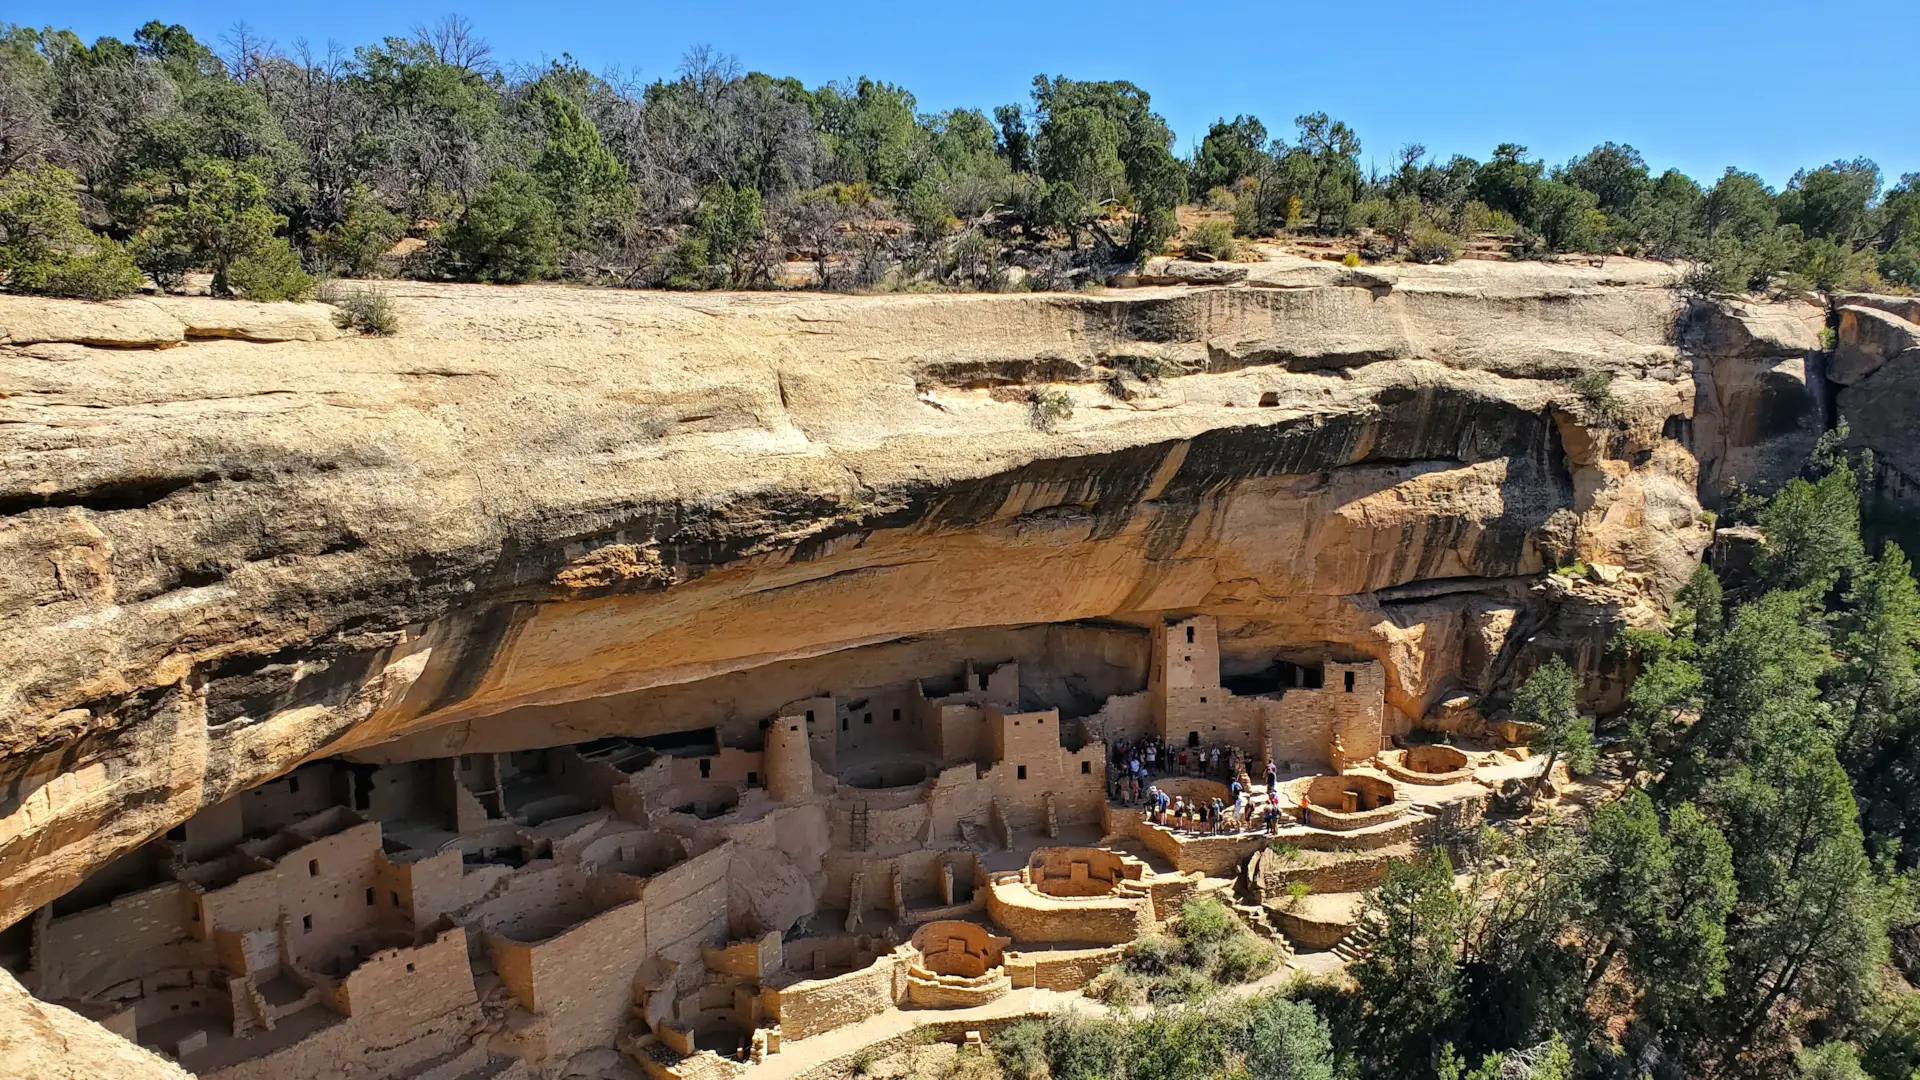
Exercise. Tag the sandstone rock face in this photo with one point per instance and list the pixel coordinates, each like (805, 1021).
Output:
(540, 514)
(1760, 392)
(46, 1042)
(1877, 354)
(1867, 339)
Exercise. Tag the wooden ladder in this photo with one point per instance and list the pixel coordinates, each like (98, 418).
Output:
(858, 827)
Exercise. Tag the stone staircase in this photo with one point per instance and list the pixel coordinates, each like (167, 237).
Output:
(1257, 921)
(1362, 938)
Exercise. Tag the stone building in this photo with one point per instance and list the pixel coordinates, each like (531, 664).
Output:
(930, 844)
(1298, 721)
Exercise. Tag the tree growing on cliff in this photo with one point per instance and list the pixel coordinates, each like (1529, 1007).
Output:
(1812, 531)
(220, 218)
(1409, 979)
(1549, 700)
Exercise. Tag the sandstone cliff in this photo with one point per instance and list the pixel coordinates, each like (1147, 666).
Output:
(234, 539)
(46, 1042)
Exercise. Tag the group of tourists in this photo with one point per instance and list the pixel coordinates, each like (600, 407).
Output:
(1137, 765)
(1154, 757)
(1248, 812)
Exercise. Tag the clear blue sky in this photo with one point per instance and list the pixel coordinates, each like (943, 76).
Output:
(1691, 83)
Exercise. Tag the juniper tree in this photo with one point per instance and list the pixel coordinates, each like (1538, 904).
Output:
(1549, 700)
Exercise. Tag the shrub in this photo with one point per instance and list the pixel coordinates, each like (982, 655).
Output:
(1205, 921)
(367, 311)
(368, 231)
(1212, 237)
(1050, 407)
(1431, 245)
(1245, 957)
(928, 211)
(1117, 986)
(1351, 258)
(1598, 399)
(1149, 368)
(1221, 198)
(1478, 217)
(508, 233)
(44, 246)
(1297, 893)
(1153, 954)
(973, 261)
(270, 273)
(220, 217)
(1022, 1048)
(1185, 985)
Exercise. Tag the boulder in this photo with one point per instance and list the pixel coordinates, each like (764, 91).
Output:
(205, 317)
(39, 1041)
(1513, 798)
(124, 324)
(1868, 338)
(1905, 307)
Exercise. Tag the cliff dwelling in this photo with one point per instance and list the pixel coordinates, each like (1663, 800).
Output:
(699, 898)
(521, 742)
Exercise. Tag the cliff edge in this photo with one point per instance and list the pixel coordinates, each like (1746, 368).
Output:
(234, 538)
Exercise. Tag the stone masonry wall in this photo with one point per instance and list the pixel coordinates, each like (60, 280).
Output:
(809, 1008)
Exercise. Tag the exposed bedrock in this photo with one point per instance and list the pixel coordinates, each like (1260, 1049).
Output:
(541, 514)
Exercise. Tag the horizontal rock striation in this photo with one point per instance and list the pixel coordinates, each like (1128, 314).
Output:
(234, 540)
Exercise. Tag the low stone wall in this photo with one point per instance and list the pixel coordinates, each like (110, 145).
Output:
(1193, 788)
(805, 1009)
(1215, 856)
(1432, 765)
(1320, 817)
(842, 1066)
(1314, 935)
(1100, 920)
(931, 991)
(1062, 969)
(1405, 828)
(1355, 872)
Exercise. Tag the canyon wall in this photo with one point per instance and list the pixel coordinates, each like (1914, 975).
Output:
(233, 539)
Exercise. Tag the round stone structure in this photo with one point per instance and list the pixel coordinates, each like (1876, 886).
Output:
(954, 964)
(1343, 803)
(1430, 764)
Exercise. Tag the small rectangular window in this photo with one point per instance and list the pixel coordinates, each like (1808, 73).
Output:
(394, 896)
(293, 784)
(409, 969)
(1349, 682)
(306, 924)
(178, 833)
(809, 716)
(867, 719)
(896, 716)
(313, 867)
(370, 900)
(1022, 771)
(1189, 635)
(844, 723)
(753, 779)
(1203, 699)
(1086, 767)
(706, 768)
